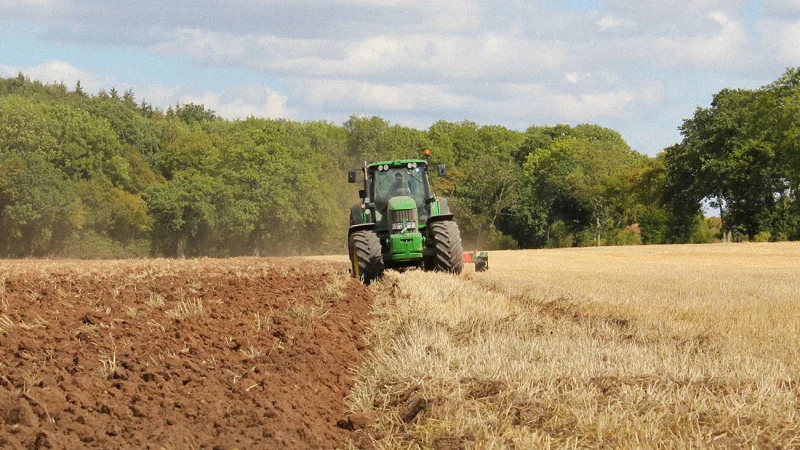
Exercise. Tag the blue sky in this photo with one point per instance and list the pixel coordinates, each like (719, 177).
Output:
(637, 67)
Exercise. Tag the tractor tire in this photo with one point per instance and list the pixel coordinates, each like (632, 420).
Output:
(480, 265)
(447, 241)
(366, 258)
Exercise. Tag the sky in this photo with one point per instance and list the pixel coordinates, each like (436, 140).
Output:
(637, 67)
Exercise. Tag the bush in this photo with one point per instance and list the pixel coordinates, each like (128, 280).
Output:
(629, 236)
(764, 236)
(586, 238)
(560, 235)
(90, 245)
(499, 241)
(704, 232)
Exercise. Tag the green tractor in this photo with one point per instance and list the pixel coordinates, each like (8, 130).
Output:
(400, 223)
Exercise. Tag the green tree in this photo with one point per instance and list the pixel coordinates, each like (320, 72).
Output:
(38, 206)
(192, 114)
(491, 189)
(185, 212)
(591, 172)
(128, 123)
(286, 195)
(112, 212)
(728, 157)
(374, 139)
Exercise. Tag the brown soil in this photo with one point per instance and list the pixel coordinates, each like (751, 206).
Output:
(91, 357)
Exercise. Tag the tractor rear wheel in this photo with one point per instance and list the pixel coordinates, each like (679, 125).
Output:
(447, 242)
(366, 258)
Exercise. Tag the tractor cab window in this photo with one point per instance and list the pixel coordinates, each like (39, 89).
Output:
(399, 181)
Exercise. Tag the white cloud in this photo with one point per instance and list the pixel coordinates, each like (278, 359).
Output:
(537, 101)
(782, 8)
(611, 21)
(680, 14)
(363, 97)
(56, 71)
(400, 57)
(241, 102)
(721, 43)
(790, 44)
(726, 46)
(28, 3)
(505, 103)
(783, 39)
(237, 102)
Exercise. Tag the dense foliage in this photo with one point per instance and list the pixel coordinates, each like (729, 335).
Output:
(742, 154)
(104, 176)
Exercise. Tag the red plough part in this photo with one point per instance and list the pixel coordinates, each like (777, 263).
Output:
(480, 259)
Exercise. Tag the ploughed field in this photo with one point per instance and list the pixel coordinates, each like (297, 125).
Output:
(247, 353)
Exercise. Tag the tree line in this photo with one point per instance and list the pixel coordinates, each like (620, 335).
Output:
(102, 175)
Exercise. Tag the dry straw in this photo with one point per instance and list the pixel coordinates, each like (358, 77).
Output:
(637, 347)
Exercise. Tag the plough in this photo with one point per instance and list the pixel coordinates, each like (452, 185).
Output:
(480, 259)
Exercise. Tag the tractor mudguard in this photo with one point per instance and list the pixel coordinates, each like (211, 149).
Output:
(444, 208)
(355, 214)
(439, 218)
(441, 211)
(359, 215)
(360, 227)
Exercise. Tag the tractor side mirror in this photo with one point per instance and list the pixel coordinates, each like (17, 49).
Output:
(351, 176)
(442, 170)
(362, 193)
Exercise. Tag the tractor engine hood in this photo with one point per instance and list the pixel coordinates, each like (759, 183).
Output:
(403, 215)
(402, 203)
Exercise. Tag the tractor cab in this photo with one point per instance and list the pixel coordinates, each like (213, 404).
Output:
(397, 195)
(399, 186)
(400, 222)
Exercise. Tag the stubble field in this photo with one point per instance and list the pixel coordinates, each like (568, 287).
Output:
(635, 347)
